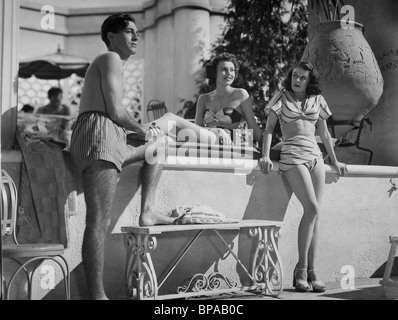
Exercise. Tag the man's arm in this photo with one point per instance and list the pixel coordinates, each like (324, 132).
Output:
(112, 86)
(66, 110)
(41, 110)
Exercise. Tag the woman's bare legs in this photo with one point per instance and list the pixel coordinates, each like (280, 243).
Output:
(318, 181)
(171, 125)
(301, 183)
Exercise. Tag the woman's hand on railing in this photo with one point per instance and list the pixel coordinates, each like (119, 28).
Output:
(265, 164)
(224, 137)
(340, 167)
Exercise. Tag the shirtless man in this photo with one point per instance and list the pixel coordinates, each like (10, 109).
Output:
(99, 148)
(63, 126)
(55, 105)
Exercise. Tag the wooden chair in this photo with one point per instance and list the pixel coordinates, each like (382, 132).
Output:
(155, 109)
(25, 254)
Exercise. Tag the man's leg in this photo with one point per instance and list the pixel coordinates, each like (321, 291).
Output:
(99, 184)
(150, 178)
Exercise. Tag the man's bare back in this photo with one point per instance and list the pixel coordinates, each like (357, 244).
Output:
(92, 97)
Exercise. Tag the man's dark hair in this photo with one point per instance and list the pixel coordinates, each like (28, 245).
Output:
(54, 91)
(313, 85)
(114, 23)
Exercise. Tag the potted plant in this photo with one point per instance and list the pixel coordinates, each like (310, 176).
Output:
(349, 75)
(330, 8)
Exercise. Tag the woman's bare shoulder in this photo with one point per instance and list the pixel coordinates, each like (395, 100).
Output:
(206, 97)
(240, 93)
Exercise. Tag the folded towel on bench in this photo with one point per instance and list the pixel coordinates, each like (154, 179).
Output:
(199, 214)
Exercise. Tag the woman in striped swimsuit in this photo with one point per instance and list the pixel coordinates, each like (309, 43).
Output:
(301, 109)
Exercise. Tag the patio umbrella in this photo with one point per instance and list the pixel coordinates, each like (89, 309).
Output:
(57, 65)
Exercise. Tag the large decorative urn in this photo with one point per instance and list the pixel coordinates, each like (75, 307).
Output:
(349, 74)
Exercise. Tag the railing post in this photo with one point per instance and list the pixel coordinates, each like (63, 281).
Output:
(9, 39)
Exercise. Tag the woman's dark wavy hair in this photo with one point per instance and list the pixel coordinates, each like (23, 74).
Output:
(211, 67)
(114, 23)
(313, 85)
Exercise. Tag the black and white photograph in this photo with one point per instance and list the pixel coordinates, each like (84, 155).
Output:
(206, 156)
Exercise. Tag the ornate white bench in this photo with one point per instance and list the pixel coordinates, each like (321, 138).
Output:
(266, 273)
(390, 287)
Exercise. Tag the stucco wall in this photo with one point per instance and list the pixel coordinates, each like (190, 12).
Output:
(354, 228)
(87, 4)
(358, 215)
(77, 29)
(381, 29)
(178, 34)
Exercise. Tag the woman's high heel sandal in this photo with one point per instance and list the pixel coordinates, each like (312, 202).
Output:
(299, 284)
(317, 285)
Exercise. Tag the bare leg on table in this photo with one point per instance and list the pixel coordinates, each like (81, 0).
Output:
(170, 122)
(150, 178)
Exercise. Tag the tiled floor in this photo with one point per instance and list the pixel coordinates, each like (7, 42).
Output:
(365, 289)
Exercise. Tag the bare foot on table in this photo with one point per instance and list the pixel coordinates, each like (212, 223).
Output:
(155, 218)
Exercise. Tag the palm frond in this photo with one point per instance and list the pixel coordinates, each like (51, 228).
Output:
(330, 8)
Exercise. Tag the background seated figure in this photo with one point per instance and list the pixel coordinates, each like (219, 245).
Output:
(62, 128)
(55, 105)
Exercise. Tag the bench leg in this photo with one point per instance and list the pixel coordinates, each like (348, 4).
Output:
(390, 262)
(266, 273)
(141, 279)
(267, 263)
(387, 284)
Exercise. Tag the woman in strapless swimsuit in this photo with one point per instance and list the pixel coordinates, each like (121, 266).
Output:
(224, 109)
(219, 112)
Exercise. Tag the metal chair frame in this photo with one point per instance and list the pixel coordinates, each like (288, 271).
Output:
(32, 252)
(346, 144)
(2, 284)
(156, 108)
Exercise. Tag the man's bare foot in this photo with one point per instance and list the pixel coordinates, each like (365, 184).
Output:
(100, 298)
(152, 218)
